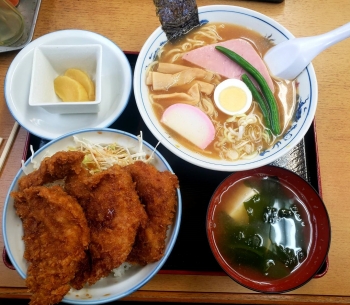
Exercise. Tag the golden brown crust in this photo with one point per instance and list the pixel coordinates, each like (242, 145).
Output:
(53, 168)
(157, 191)
(78, 233)
(76, 185)
(114, 214)
(56, 235)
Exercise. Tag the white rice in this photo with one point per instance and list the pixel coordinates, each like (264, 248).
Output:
(119, 272)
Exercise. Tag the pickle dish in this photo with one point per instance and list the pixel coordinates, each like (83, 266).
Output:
(51, 62)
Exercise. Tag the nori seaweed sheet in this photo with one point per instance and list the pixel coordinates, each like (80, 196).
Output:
(177, 17)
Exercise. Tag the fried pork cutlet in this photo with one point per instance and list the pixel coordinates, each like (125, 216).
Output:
(114, 214)
(77, 185)
(157, 191)
(53, 168)
(83, 272)
(56, 235)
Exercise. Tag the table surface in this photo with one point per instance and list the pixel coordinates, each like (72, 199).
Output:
(128, 23)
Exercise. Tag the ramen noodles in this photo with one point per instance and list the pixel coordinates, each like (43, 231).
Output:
(173, 79)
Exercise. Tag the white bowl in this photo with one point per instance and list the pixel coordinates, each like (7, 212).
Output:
(52, 61)
(116, 84)
(109, 288)
(267, 27)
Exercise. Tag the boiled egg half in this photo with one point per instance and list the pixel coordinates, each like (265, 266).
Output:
(233, 97)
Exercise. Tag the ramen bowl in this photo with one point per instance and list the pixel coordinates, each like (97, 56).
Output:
(117, 284)
(301, 118)
(268, 229)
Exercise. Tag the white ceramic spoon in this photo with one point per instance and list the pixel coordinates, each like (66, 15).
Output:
(289, 58)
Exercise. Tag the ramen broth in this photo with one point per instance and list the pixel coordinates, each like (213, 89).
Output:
(285, 91)
(262, 229)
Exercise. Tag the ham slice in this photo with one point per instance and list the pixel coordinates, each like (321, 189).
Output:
(209, 58)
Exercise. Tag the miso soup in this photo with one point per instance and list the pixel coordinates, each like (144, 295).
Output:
(262, 228)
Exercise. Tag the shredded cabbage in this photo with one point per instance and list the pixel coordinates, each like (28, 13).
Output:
(99, 157)
(35, 163)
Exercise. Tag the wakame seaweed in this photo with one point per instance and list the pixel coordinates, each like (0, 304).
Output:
(272, 242)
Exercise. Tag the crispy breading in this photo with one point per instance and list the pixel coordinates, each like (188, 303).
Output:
(119, 228)
(157, 191)
(53, 168)
(114, 215)
(77, 185)
(83, 272)
(56, 235)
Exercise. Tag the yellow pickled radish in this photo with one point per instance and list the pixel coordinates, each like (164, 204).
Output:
(69, 90)
(84, 79)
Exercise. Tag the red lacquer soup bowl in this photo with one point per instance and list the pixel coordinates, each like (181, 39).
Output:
(268, 229)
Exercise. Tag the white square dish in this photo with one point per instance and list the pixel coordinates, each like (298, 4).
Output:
(51, 61)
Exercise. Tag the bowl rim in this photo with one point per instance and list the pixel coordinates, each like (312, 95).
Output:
(172, 239)
(298, 277)
(192, 157)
